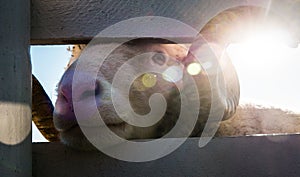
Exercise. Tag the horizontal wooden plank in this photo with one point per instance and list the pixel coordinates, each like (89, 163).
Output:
(239, 156)
(77, 21)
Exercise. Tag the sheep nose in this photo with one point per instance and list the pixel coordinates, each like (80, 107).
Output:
(78, 90)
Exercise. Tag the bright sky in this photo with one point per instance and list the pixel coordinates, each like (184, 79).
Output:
(268, 69)
(268, 74)
(270, 81)
(48, 64)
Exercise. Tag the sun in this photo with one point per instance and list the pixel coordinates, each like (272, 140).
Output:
(261, 49)
(268, 69)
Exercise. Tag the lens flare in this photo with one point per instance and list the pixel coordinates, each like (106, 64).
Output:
(194, 69)
(173, 74)
(149, 80)
(261, 50)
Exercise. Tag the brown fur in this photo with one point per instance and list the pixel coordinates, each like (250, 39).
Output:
(257, 120)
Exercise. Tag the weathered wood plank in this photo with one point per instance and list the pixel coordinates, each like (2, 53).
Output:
(77, 21)
(15, 89)
(240, 156)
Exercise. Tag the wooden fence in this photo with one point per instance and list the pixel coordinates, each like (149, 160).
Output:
(41, 22)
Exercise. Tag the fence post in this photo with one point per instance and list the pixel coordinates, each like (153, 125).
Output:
(15, 89)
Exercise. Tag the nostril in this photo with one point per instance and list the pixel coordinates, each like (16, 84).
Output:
(94, 91)
(87, 94)
(97, 88)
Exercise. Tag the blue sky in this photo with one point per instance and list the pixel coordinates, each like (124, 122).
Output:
(48, 64)
(268, 76)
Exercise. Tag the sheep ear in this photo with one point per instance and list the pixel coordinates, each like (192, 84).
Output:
(42, 111)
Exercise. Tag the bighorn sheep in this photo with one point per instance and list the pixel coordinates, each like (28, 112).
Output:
(237, 120)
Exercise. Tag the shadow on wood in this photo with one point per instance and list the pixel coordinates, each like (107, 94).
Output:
(240, 156)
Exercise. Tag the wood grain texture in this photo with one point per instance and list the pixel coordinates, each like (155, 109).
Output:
(15, 89)
(77, 21)
(232, 157)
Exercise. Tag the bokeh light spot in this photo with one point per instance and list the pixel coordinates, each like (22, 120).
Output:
(149, 80)
(173, 74)
(194, 69)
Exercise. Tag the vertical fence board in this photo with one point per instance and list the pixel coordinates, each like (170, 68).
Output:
(15, 89)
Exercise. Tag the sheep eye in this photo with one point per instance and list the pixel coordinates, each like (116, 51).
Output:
(159, 58)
